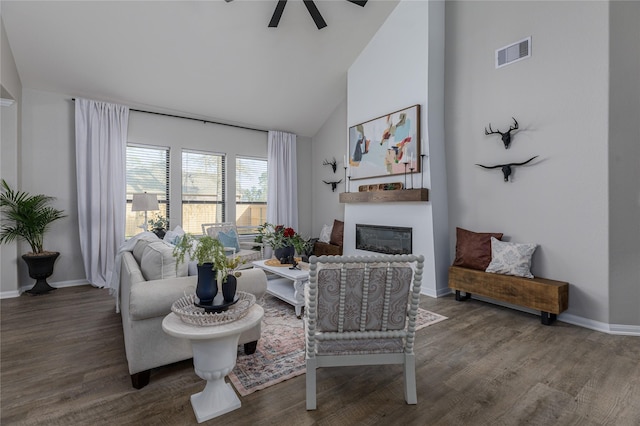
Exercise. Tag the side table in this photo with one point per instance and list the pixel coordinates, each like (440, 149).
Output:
(214, 356)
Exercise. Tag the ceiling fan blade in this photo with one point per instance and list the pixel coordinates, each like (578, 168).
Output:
(277, 14)
(315, 14)
(358, 2)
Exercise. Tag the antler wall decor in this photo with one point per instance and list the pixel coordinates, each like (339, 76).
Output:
(506, 168)
(333, 184)
(333, 164)
(506, 136)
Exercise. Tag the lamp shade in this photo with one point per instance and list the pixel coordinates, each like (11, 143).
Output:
(144, 202)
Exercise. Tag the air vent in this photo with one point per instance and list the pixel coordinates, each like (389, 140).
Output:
(513, 53)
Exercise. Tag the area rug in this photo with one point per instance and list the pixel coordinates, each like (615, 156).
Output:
(280, 352)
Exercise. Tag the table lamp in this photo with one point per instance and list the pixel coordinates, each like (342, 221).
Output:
(144, 202)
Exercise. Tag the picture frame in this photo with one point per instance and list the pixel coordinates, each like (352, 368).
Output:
(385, 146)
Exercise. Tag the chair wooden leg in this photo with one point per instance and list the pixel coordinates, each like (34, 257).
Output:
(311, 383)
(141, 379)
(410, 379)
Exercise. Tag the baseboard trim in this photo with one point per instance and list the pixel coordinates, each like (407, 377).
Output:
(59, 284)
(618, 329)
(9, 294)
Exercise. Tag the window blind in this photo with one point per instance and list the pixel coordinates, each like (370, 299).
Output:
(251, 193)
(203, 189)
(147, 171)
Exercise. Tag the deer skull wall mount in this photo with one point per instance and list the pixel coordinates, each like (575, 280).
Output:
(506, 136)
(333, 164)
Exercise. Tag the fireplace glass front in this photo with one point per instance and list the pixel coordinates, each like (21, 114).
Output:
(383, 239)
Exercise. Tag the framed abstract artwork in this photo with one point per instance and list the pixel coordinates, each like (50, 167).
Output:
(385, 146)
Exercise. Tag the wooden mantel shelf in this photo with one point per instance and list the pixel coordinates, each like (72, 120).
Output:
(401, 195)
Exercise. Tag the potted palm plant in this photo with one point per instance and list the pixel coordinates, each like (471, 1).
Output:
(28, 217)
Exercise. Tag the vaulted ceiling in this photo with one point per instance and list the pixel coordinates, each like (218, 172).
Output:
(206, 59)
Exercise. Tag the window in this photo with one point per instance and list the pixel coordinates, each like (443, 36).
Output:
(203, 189)
(251, 193)
(147, 171)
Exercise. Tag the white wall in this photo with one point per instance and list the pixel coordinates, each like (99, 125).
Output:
(402, 66)
(48, 148)
(327, 144)
(10, 119)
(624, 163)
(560, 97)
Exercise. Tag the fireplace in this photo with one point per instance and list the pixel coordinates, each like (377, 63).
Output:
(383, 239)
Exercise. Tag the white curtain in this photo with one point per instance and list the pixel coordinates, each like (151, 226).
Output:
(282, 183)
(101, 141)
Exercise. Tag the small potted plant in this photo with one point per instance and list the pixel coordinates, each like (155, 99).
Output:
(159, 225)
(28, 217)
(209, 254)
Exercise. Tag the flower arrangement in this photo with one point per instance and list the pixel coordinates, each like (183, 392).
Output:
(278, 236)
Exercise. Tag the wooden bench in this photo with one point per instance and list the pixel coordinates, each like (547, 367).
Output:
(547, 296)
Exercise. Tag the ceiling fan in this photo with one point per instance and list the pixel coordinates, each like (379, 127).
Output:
(311, 7)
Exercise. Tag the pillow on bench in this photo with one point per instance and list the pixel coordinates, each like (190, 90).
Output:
(473, 249)
(511, 258)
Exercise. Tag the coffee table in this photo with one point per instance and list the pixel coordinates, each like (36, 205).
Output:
(287, 285)
(215, 348)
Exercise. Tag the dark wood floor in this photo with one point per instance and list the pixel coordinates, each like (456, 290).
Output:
(62, 363)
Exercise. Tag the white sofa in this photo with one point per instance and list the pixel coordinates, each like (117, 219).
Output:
(145, 302)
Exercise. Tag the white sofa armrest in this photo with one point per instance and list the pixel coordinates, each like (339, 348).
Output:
(150, 299)
(253, 281)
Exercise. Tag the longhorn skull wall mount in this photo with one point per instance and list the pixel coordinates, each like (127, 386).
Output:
(333, 184)
(506, 168)
(506, 136)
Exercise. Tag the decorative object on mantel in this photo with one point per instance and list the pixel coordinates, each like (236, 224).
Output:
(345, 174)
(385, 196)
(186, 309)
(422, 170)
(382, 146)
(390, 186)
(333, 184)
(506, 136)
(506, 168)
(333, 164)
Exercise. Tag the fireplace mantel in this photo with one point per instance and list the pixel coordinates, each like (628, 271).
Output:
(400, 195)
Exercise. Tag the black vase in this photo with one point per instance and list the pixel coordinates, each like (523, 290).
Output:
(229, 288)
(207, 287)
(284, 253)
(40, 268)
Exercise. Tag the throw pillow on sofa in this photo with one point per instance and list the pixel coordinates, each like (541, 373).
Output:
(158, 262)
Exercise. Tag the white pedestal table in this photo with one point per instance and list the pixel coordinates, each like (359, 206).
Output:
(214, 356)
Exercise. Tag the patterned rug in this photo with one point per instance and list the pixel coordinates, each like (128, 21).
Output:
(280, 353)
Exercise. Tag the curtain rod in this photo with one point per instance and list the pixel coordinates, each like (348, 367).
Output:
(194, 119)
